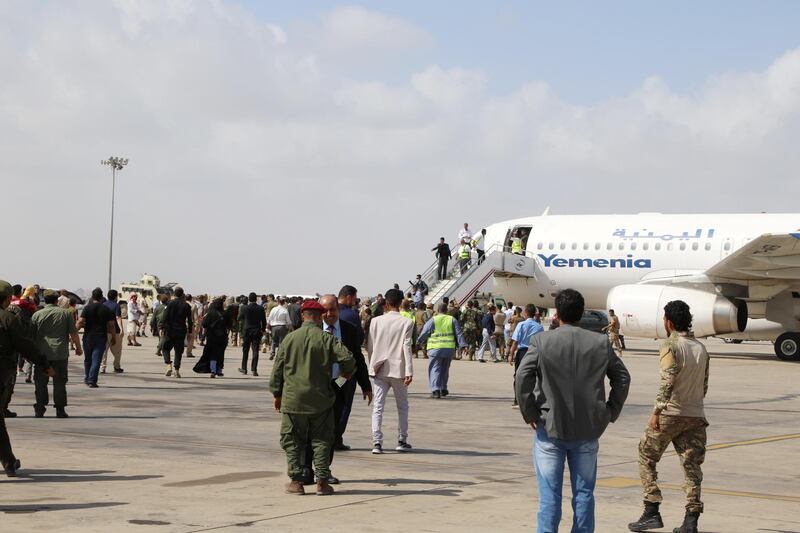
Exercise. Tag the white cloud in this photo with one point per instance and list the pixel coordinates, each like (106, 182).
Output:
(254, 153)
(353, 27)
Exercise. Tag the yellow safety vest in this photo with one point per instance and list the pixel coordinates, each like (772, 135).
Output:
(516, 245)
(464, 251)
(444, 334)
(409, 316)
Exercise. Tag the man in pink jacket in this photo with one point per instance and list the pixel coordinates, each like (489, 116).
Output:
(390, 366)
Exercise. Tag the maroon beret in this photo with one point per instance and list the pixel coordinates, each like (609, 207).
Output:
(312, 305)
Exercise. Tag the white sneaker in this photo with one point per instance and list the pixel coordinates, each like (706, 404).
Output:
(377, 448)
(403, 446)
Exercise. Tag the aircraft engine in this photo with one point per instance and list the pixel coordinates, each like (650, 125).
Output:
(640, 309)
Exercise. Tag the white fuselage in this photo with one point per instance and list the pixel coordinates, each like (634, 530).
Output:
(595, 253)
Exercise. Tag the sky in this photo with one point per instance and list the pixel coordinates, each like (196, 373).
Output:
(293, 147)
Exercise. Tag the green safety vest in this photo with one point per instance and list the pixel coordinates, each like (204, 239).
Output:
(464, 252)
(516, 245)
(444, 334)
(409, 316)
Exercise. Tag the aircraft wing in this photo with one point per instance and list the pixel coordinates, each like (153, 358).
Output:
(772, 256)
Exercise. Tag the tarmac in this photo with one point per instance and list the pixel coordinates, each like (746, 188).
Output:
(154, 454)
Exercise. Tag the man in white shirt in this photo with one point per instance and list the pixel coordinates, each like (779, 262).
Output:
(390, 366)
(479, 242)
(465, 235)
(134, 319)
(279, 324)
(507, 324)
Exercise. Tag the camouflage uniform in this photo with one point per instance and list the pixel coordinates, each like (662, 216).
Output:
(469, 324)
(686, 433)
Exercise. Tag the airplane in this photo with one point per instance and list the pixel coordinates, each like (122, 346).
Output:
(739, 273)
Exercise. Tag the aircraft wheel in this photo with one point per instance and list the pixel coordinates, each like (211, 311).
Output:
(787, 347)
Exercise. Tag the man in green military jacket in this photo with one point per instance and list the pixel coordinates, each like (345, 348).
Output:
(53, 327)
(14, 337)
(303, 393)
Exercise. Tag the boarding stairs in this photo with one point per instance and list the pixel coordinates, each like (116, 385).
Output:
(460, 287)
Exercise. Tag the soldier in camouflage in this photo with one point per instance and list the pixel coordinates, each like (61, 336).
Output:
(678, 417)
(14, 337)
(470, 324)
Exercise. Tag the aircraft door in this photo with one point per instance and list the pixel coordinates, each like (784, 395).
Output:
(524, 234)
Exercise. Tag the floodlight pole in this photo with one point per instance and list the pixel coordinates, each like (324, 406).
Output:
(116, 163)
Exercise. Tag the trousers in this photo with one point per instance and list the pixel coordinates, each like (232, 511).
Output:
(688, 435)
(549, 456)
(488, 341)
(41, 379)
(115, 350)
(6, 453)
(441, 269)
(439, 368)
(251, 341)
(348, 394)
(382, 386)
(297, 432)
(93, 349)
(278, 334)
(174, 341)
(338, 407)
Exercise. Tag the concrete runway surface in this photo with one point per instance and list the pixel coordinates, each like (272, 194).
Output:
(148, 453)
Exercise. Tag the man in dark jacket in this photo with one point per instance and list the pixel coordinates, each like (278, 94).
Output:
(560, 385)
(177, 323)
(255, 324)
(443, 257)
(349, 336)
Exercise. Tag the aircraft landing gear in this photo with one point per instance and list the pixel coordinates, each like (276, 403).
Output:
(787, 347)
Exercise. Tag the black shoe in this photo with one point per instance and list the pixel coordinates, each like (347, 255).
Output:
(481, 360)
(436, 394)
(38, 413)
(28, 380)
(254, 373)
(308, 477)
(11, 468)
(271, 357)
(333, 480)
(118, 370)
(190, 356)
(92, 385)
(650, 519)
(9, 414)
(61, 413)
(243, 371)
(445, 393)
(341, 447)
(689, 523)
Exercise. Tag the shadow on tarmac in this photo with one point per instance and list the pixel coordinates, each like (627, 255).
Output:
(393, 482)
(72, 476)
(463, 453)
(30, 508)
(421, 492)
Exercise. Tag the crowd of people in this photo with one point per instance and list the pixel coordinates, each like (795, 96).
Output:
(325, 347)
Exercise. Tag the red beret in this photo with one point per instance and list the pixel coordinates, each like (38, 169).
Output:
(312, 305)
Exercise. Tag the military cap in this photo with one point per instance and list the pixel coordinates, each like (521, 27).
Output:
(48, 293)
(5, 289)
(312, 305)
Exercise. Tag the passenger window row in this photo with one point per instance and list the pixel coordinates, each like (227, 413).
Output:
(632, 246)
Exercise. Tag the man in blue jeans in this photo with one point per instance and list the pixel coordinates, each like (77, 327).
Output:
(98, 323)
(560, 386)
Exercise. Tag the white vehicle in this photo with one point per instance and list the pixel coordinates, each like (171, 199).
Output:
(740, 274)
(148, 288)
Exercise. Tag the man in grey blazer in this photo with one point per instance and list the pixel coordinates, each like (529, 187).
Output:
(560, 386)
